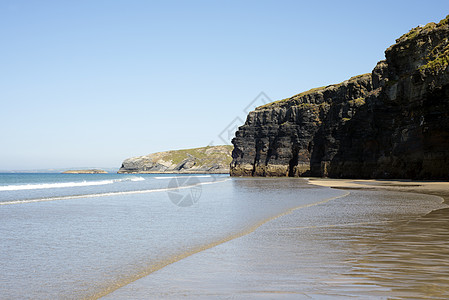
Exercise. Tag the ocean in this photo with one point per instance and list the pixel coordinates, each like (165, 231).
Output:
(119, 236)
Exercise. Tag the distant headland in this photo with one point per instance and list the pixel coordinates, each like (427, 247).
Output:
(210, 159)
(89, 171)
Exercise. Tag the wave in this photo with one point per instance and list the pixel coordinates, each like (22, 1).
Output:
(132, 179)
(106, 194)
(186, 175)
(39, 186)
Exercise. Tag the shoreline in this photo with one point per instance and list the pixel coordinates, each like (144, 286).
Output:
(320, 251)
(175, 172)
(433, 188)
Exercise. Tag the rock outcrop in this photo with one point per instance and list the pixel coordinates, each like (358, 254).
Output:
(211, 159)
(89, 171)
(392, 123)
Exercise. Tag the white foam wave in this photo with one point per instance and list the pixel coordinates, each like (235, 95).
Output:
(132, 179)
(107, 194)
(39, 186)
(187, 175)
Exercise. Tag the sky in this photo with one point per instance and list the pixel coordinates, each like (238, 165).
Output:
(90, 83)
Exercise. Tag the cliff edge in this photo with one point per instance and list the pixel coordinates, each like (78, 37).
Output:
(391, 123)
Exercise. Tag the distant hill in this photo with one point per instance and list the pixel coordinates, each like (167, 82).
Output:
(58, 170)
(210, 159)
(88, 171)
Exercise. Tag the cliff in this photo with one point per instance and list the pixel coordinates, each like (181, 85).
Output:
(89, 171)
(211, 159)
(391, 123)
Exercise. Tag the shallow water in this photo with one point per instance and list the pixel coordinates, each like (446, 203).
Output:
(86, 237)
(367, 245)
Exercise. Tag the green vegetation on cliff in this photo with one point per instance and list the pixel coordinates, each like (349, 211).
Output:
(443, 22)
(299, 98)
(303, 94)
(201, 155)
(437, 60)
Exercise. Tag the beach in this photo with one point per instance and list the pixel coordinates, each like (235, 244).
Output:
(115, 236)
(83, 236)
(380, 240)
(437, 188)
(196, 150)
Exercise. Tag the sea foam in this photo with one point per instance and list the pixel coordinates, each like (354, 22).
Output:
(54, 185)
(109, 193)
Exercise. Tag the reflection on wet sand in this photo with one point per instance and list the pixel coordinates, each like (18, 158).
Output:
(368, 245)
(410, 259)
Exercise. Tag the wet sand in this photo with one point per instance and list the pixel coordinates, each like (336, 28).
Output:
(436, 188)
(384, 240)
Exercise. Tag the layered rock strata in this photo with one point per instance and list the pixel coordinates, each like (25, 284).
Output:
(391, 123)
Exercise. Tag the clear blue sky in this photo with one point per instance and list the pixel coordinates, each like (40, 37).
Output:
(90, 83)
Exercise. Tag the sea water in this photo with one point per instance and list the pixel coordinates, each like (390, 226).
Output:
(365, 245)
(84, 236)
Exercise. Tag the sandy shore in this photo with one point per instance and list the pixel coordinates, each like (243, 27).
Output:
(381, 239)
(435, 188)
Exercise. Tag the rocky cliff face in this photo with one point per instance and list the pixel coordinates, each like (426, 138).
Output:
(212, 159)
(392, 123)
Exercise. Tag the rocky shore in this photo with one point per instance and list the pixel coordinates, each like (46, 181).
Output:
(390, 123)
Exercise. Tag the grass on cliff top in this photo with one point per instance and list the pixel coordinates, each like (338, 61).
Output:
(177, 156)
(311, 91)
(417, 30)
(443, 22)
(409, 35)
(438, 58)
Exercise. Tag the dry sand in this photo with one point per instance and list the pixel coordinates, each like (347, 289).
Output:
(436, 188)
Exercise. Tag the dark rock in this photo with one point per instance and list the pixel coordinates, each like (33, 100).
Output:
(392, 123)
